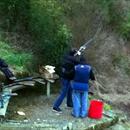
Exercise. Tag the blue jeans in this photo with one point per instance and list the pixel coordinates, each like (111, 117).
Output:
(66, 90)
(80, 103)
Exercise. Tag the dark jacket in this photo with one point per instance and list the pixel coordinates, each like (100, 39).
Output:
(3, 63)
(68, 63)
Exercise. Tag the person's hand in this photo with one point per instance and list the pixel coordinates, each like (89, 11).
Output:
(82, 48)
(78, 53)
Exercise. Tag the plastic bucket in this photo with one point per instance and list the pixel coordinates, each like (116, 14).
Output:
(96, 109)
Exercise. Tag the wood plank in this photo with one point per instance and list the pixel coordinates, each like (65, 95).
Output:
(39, 80)
(3, 110)
(48, 89)
(27, 83)
(20, 85)
(6, 97)
(17, 87)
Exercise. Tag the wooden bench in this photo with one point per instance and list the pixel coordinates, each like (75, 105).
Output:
(20, 84)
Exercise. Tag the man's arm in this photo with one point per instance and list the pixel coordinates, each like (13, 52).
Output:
(73, 59)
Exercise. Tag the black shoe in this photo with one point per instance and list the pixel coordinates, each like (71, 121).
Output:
(57, 110)
(69, 106)
(74, 115)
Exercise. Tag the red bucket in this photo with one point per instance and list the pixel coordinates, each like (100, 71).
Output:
(96, 109)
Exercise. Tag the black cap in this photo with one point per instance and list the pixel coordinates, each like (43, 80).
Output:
(72, 51)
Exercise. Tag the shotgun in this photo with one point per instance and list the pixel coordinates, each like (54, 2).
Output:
(84, 46)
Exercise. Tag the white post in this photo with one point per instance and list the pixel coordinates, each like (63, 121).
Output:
(48, 88)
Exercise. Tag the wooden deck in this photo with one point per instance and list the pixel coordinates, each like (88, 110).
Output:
(20, 84)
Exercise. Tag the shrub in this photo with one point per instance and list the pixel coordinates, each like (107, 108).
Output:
(14, 14)
(44, 20)
(117, 14)
(16, 59)
(83, 18)
(48, 30)
(122, 62)
(125, 27)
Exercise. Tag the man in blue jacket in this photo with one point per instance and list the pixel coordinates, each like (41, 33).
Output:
(80, 86)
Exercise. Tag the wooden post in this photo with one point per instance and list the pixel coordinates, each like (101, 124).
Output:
(48, 88)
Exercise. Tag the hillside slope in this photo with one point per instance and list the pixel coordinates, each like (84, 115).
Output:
(110, 57)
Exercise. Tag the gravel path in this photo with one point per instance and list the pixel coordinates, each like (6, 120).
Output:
(38, 109)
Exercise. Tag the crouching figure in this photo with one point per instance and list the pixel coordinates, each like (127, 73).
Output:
(80, 86)
(7, 72)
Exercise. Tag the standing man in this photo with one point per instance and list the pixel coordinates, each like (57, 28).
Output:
(80, 86)
(67, 74)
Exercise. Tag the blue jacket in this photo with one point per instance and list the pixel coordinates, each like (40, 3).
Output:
(68, 63)
(81, 78)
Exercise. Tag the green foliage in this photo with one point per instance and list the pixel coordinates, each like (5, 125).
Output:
(125, 27)
(117, 15)
(14, 58)
(107, 107)
(13, 13)
(105, 6)
(122, 62)
(48, 30)
(83, 18)
(44, 21)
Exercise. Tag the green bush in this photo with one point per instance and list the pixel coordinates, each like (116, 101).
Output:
(125, 27)
(107, 107)
(48, 30)
(14, 14)
(14, 58)
(44, 21)
(117, 15)
(105, 7)
(83, 18)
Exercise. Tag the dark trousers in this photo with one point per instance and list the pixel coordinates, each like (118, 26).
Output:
(6, 72)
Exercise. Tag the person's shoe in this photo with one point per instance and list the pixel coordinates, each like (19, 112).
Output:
(58, 110)
(12, 78)
(83, 116)
(74, 115)
(69, 106)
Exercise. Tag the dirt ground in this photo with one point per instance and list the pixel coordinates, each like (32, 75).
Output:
(36, 106)
(38, 109)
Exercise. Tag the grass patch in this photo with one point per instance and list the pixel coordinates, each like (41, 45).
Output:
(16, 59)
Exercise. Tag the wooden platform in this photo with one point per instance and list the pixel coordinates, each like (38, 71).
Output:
(6, 95)
(20, 84)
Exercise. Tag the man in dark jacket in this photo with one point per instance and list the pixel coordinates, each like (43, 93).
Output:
(67, 74)
(7, 72)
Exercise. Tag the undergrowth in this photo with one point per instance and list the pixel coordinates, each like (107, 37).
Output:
(16, 59)
(121, 61)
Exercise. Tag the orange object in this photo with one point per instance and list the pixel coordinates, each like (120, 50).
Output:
(96, 109)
